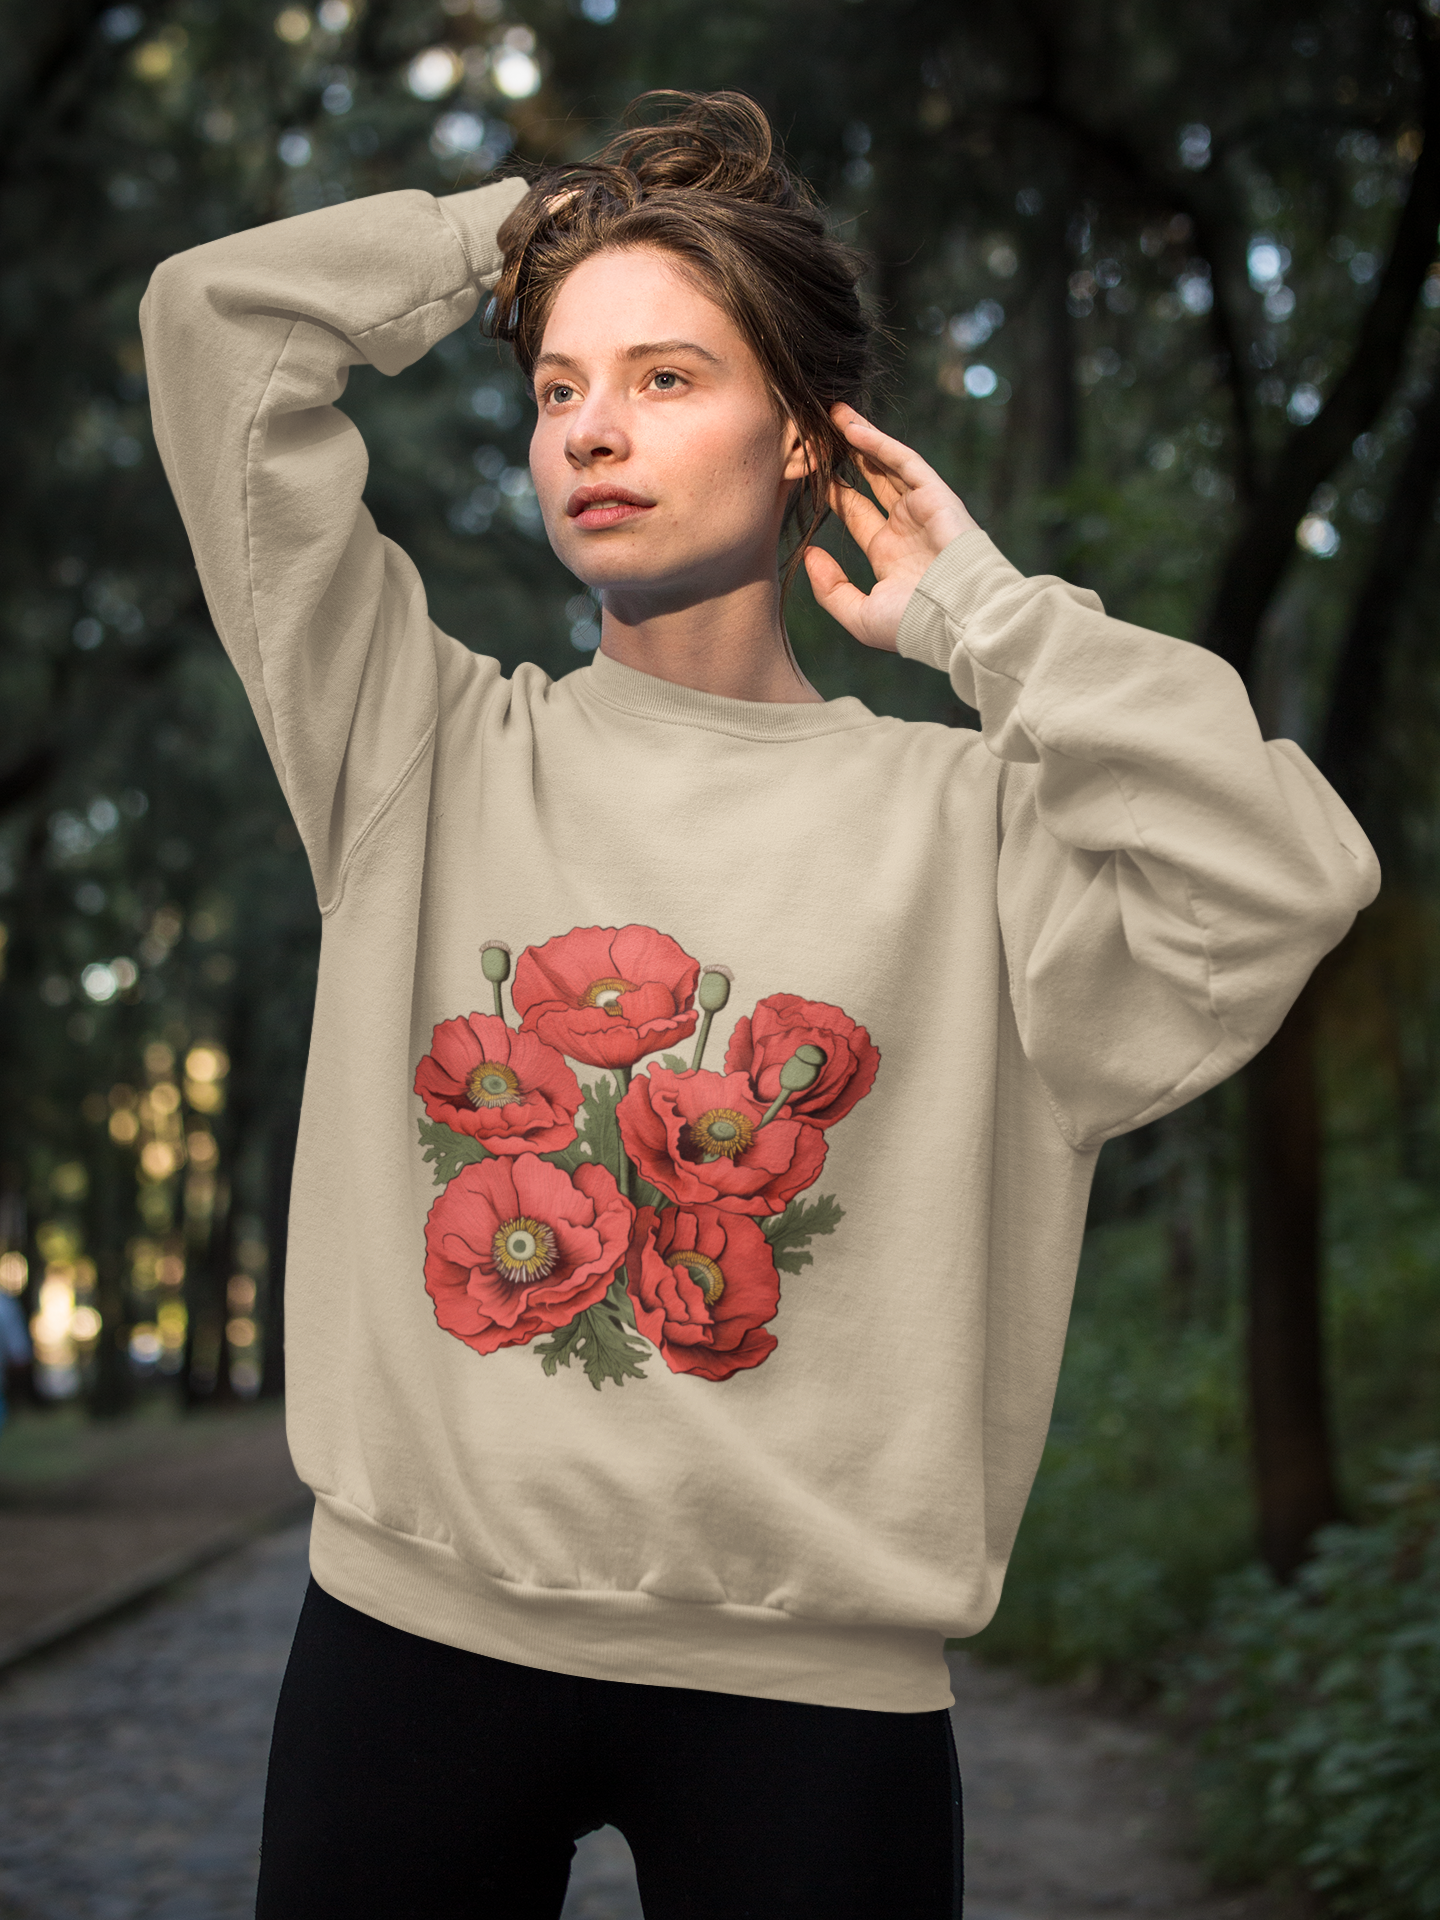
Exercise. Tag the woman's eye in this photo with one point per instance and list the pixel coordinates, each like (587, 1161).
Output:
(667, 382)
(560, 393)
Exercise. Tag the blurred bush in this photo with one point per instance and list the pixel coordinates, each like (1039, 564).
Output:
(1143, 1497)
(1323, 1707)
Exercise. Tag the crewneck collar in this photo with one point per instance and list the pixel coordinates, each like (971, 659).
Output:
(652, 699)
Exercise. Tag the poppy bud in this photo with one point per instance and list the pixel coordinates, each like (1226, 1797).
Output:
(802, 1069)
(495, 961)
(714, 988)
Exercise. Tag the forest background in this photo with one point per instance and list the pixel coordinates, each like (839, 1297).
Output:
(1163, 303)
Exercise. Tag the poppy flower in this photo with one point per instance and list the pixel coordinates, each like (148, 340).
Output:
(698, 1138)
(702, 1281)
(507, 1090)
(607, 995)
(518, 1247)
(764, 1040)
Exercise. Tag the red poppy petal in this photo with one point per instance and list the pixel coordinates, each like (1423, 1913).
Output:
(564, 968)
(741, 1050)
(649, 1001)
(455, 1048)
(641, 954)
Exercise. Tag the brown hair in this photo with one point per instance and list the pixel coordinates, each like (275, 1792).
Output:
(709, 187)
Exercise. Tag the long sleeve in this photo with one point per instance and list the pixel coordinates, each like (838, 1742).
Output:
(1167, 878)
(248, 345)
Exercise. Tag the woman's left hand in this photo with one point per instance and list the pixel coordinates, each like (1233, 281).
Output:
(920, 517)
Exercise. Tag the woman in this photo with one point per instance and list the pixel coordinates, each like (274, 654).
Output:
(676, 1392)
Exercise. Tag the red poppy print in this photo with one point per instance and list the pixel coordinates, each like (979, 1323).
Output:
(507, 1090)
(702, 1139)
(607, 995)
(702, 1283)
(763, 1041)
(517, 1247)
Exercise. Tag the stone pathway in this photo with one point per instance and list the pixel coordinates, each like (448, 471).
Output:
(134, 1762)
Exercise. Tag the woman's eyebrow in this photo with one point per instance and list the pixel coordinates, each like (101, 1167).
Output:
(646, 350)
(657, 349)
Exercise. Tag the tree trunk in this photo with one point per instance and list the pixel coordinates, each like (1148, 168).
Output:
(1291, 1443)
(113, 1390)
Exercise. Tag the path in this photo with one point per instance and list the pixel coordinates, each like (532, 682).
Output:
(94, 1514)
(134, 1761)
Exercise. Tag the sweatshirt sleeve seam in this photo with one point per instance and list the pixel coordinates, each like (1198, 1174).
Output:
(249, 539)
(381, 808)
(1224, 1035)
(1196, 918)
(1164, 1101)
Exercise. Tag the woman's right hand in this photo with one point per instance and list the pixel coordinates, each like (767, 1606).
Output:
(916, 520)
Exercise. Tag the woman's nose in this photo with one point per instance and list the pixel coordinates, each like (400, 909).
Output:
(596, 433)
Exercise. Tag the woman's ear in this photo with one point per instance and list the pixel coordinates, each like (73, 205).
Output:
(799, 455)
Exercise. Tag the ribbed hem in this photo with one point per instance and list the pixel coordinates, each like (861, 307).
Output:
(651, 699)
(959, 579)
(423, 1587)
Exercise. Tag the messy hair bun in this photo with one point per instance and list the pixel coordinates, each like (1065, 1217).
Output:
(708, 186)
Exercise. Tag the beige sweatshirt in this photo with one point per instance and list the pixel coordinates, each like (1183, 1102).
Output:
(744, 1389)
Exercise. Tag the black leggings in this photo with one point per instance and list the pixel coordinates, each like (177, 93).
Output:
(415, 1781)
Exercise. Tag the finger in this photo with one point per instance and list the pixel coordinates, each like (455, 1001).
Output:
(862, 519)
(882, 450)
(834, 591)
(885, 489)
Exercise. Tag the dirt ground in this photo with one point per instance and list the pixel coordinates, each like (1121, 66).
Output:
(1071, 1810)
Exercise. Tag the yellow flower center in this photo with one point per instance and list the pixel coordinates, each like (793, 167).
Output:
(524, 1250)
(704, 1272)
(721, 1134)
(491, 1086)
(605, 994)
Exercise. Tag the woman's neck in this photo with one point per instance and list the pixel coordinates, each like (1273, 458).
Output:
(733, 644)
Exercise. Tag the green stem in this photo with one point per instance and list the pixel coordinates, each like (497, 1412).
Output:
(622, 1082)
(773, 1108)
(499, 1003)
(700, 1042)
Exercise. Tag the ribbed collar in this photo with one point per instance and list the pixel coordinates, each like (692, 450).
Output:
(651, 699)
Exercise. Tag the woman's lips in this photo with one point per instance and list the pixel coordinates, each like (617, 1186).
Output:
(605, 506)
(608, 513)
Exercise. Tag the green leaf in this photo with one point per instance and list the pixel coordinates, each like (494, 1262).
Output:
(674, 1063)
(791, 1232)
(597, 1135)
(602, 1338)
(448, 1151)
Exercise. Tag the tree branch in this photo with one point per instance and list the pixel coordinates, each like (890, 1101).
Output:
(1355, 697)
(1265, 544)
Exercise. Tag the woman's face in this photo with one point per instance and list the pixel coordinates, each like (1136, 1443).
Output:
(660, 462)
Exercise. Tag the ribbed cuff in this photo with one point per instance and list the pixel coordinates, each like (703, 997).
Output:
(475, 215)
(970, 571)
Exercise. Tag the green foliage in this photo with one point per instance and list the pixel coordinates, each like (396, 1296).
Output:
(597, 1142)
(1142, 1499)
(674, 1063)
(1323, 1704)
(791, 1232)
(448, 1151)
(602, 1338)
(597, 1131)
